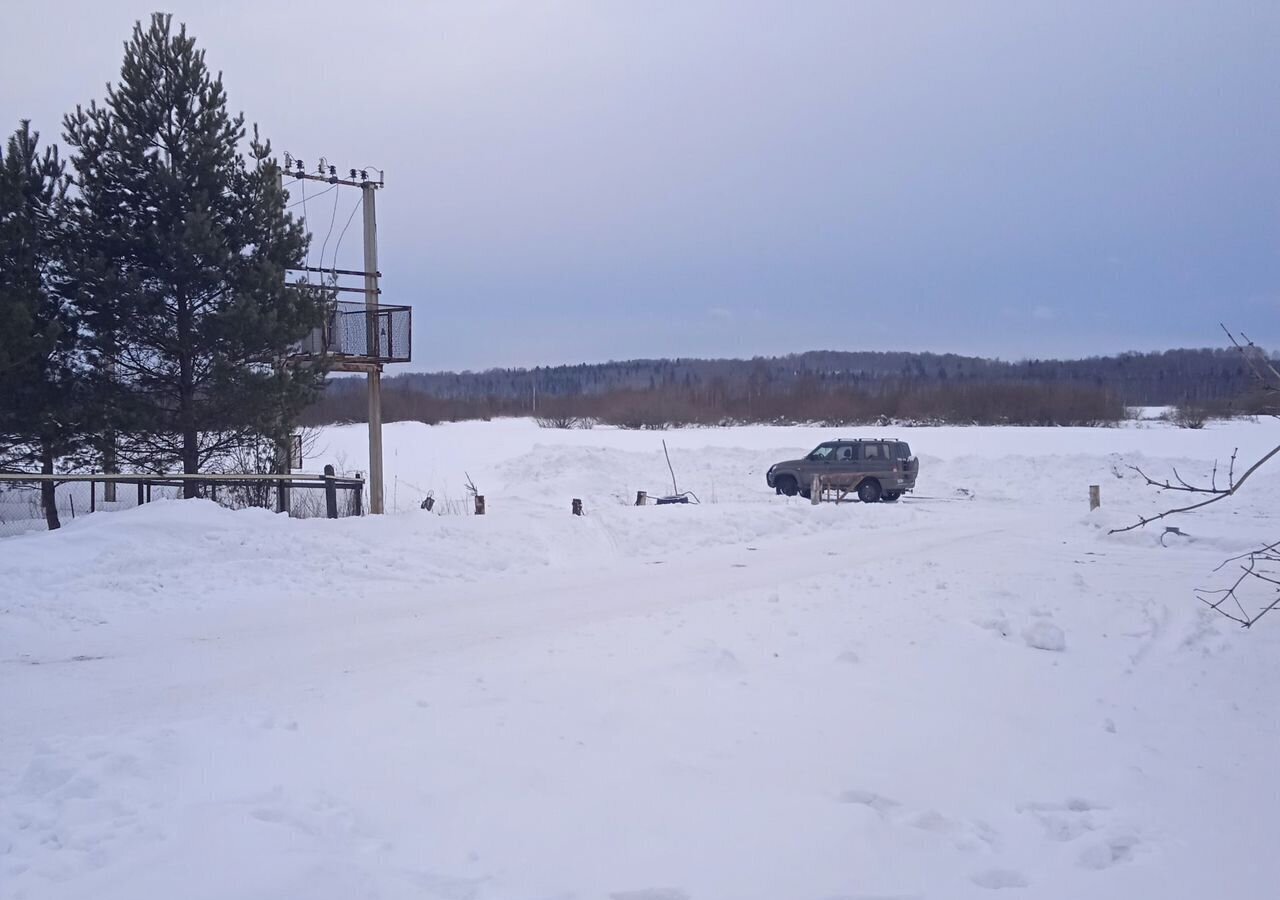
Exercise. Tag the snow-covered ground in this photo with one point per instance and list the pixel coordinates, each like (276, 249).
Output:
(974, 689)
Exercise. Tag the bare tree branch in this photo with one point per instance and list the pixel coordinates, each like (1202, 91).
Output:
(1260, 365)
(1260, 566)
(1218, 493)
(1255, 567)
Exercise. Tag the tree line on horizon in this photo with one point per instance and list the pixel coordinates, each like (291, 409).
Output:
(145, 318)
(841, 387)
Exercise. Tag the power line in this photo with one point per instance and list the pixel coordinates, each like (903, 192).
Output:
(304, 199)
(332, 216)
(359, 203)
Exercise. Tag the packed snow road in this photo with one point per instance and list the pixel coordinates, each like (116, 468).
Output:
(973, 689)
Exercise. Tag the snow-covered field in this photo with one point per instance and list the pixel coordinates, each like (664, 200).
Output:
(974, 689)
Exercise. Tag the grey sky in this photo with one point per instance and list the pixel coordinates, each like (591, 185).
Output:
(582, 181)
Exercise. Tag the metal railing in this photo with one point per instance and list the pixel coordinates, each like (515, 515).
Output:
(381, 334)
(300, 496)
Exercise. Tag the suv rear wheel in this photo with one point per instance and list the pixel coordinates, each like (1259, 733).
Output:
(869, 491)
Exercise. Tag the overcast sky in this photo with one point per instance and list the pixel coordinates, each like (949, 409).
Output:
(584, 181)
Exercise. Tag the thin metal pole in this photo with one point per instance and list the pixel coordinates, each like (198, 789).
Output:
(367, 190)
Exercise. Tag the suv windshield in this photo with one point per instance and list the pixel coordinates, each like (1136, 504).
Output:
(823, 451)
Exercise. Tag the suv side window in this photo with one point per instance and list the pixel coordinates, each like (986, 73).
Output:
(873, 452)
(845, 453)
(904, 450)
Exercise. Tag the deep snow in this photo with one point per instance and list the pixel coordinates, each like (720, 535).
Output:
(974, 689)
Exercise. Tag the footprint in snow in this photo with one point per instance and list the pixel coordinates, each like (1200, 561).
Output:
(877, 802)
(996, 624)
(996, 879)
(1064, 821)
(962, 833)
(1110, 852)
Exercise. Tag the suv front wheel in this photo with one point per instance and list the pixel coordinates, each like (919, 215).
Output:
(869, 491)
(785, 484)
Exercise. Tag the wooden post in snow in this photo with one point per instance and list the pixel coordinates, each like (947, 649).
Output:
(815, 490)
(1095, 497)
(330, 493)
(641, 498)
(479, 504)
(576, 506)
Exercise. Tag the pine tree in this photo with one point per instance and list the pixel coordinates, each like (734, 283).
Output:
(185, 246)
(40, 391)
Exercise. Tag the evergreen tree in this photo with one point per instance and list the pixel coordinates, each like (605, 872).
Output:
(181, 268)
(40, 395)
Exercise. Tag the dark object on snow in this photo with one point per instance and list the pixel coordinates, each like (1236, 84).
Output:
(427, 503)
(680, 498)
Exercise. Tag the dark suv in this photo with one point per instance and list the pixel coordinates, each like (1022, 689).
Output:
(877, 469)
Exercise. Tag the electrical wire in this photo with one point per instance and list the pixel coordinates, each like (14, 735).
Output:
(302, 183)
(359, 203)
(305, 198)
(332, 216)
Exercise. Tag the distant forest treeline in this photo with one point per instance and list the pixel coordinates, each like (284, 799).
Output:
(838, 385)
(1137, 379)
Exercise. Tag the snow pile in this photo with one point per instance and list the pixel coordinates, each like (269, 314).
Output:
(750, 698)
(1045, 636)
